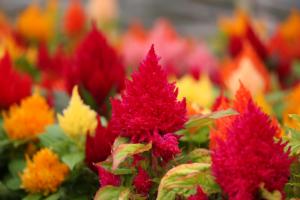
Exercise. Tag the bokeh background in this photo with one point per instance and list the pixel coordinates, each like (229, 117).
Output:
(190, 17)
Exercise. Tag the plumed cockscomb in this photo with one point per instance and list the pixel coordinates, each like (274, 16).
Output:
(142, 182)
(98, 146)
(200, 195)
(13, 86)
(148, 104)
(96, 66)
(107, 178)
(250, 156)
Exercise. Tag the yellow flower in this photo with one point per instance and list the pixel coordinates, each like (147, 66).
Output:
(35, 23)
(292, 107)
(196, 91)
(262, 102)
(28, 119)
(44, 173)
(77, 119)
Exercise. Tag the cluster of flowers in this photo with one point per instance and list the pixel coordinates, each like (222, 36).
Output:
(73, 126)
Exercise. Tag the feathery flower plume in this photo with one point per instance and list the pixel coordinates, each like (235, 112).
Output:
(250, 156)
(29, 118)
(96, 66)
(44, 173)
(149, 108)
(78, 119)
(13, 86)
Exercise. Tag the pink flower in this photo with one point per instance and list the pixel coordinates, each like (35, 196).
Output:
(200, 195)
(249, 156)
(142, 182)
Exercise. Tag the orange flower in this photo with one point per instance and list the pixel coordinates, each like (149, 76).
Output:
(28, 119)
(35, 23)
(248, 69)
(74, 20)
(44, 173)
(292, 107)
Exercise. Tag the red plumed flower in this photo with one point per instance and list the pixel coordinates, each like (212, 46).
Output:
(142, 182)
(98, 147)
(13, 86)
(165, 146)
(200, 195)
(250, 156)
(107, 178)
(52, 67)
(149, 104)
(96, 66)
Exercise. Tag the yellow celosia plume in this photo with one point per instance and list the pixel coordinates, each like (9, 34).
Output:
(77, 119)
(44, 173)
(196, 91)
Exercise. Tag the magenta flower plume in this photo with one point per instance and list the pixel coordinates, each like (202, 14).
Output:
(98, 147)
(142, 182)
(13, 85)
(250, 156)
(107, 178)
(149, 104)
(200, 195)
(96, 66)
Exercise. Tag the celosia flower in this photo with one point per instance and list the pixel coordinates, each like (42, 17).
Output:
(180, 55)
(98, 147)
(292, 107)
(142, 182)
(200, 195)
(13, 86)
(165, 146)
(74, 20)
(52, 67)
(29, 118)
(250, 156)
(238, 69)
(149, 104)
(43, 27)
(107, 178)
(240, 102)
(240, 30)
(193, 90)
(44, 173)
(96, 67)
(78, 119)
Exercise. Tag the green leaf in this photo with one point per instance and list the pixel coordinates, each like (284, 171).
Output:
(203, 120)
(54, 138)
(13, 183)
(54, 196)
(16, 166)
(112, 193)
(121, 152)
(61, 100)
(183, 179)
(72, 159)
(33, 197)
(200, 156)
